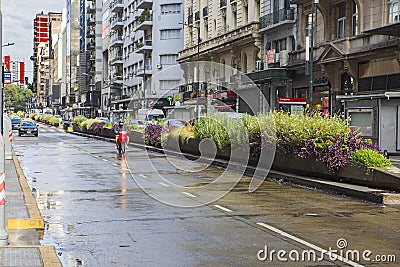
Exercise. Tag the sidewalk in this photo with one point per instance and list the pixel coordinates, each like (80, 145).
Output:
(24, 224)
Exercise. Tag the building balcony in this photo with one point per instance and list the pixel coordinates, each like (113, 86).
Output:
(146, 46)
(90, 33)
(116, 60)
(275, 19)
(91, 58)
(117, 79)
(91, 21)
(91, 9)
(145, 4)
(116, 6)
(116, 40)
(91, 45)
(360, 47)
(117, 23)
(144, 23)
(146, 71)
(242, 34)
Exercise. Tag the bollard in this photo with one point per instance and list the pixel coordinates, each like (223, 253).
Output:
(7, 133)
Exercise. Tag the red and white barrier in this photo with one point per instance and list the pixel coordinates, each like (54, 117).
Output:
(10, 133)
(2, 189)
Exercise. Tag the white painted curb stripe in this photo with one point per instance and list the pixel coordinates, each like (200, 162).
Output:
(312, 246)
(223, 208)
(164, 184)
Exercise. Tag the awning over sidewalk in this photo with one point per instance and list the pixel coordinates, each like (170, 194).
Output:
(387, 95)
(390, 29)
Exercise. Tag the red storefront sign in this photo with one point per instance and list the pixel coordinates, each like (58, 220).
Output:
(292, 101)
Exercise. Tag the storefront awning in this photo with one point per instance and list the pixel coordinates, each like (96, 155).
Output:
(390, 29)
(387, 95)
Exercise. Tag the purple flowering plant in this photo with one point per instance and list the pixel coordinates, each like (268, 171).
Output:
(152, 134)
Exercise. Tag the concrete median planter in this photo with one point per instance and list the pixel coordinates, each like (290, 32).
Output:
(76, 128)
(105, 132)
(382, 178)
(136, 137)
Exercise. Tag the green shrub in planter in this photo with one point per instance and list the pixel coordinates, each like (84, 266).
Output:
(87, 124)
(370, 158)
(220, 129)
(78, 120)
(107, 126)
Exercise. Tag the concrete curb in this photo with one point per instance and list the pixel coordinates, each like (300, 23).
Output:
(48, 254)
(35, 218)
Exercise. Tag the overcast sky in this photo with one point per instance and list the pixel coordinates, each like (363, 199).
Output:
(18, 16)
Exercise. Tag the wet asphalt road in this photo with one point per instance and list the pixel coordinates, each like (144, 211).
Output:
(96, 213)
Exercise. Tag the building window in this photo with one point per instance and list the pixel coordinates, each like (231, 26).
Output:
(279, 45)
(341, 22)
(394, 11)
(355, 19)
(171, 9)
(170, 34)
(168, 59)
(169, 84)
(308, 24)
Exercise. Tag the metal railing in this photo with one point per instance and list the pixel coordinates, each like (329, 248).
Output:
(276, 17)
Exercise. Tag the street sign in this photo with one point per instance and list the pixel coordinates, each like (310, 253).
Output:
(7, 78)
(169, 98)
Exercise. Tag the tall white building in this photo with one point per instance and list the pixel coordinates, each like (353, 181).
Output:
(143, 37)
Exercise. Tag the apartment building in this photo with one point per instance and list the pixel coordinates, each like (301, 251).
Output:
(356, 63)
(41, 55)
(277, 27)
(89, 71)
(141, 38)
(229, 35)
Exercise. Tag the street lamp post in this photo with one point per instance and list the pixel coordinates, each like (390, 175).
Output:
(311, 88)
(3, 231)
(198, 68)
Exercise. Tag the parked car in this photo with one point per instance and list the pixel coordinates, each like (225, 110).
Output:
(138, 123)
(28, 127)
(174, 123)
(15, 122)
(107, 120)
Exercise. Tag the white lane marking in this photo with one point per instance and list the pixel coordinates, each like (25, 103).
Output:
(164, 184)
(104, 159)
(188, 194)
(223, 208)
(52, 130)
(142, 175)
(308, 244)
(116, 165)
